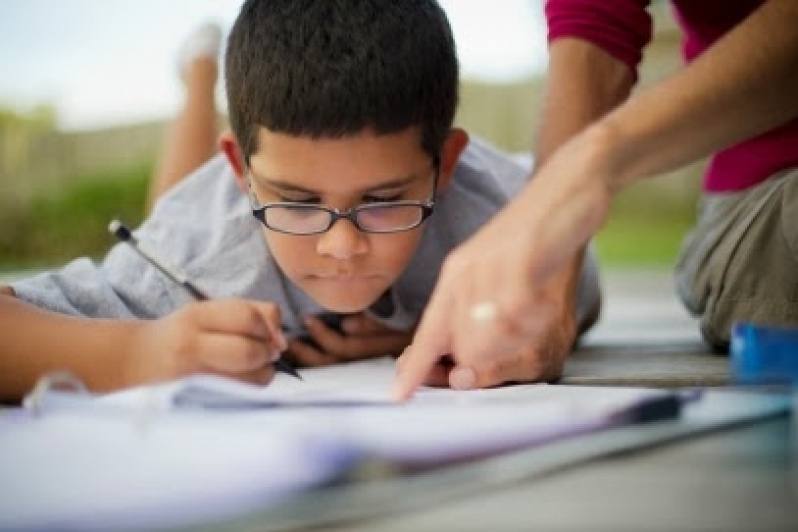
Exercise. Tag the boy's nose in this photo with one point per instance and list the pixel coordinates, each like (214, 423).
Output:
(342, 241)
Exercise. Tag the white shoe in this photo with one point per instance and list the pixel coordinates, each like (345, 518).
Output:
(204, 41)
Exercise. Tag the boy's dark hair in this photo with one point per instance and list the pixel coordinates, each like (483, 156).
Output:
(332, 68)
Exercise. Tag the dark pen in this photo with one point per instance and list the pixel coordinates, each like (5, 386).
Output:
(124, 234)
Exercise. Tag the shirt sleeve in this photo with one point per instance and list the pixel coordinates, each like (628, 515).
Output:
(199, 227)
(622, 28)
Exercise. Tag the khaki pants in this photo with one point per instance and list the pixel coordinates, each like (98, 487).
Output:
(740, 262)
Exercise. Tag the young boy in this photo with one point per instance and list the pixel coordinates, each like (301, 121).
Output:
(338, 110)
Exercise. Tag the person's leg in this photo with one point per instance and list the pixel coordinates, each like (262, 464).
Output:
(191, 138)
(740, 263)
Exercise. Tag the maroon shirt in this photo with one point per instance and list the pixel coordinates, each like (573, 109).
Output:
(622, 28)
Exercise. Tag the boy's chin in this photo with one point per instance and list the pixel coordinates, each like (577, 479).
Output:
(343, 302)
(344, 307)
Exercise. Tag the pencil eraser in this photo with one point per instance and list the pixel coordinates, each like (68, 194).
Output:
(763, 354)
(117, 228)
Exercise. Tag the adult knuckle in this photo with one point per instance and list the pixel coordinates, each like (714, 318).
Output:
(542, 364)
(508, 322)
(490, 372)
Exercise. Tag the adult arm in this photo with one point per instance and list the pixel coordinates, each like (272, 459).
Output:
(744, 85)
(584, 82)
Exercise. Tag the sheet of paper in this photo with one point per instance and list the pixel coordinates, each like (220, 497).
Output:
(153, 457)
(81, 471)
(353, 402)
(361, 383)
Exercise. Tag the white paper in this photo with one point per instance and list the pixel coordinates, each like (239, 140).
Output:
(139, 458)
(78, 471)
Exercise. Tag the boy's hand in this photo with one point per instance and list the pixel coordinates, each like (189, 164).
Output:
(362, 338)
(232, 337)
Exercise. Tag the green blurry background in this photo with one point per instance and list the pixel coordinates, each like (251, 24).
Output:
(58, 190)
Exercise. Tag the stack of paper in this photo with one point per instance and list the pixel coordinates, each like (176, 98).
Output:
(205, 448)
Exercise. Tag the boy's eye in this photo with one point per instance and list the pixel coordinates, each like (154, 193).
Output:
(382, 199)
(306, 200)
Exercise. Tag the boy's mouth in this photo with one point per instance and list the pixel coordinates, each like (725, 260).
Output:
(341, 277)
(344, 277)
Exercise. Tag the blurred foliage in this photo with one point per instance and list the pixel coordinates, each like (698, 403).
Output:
(71, 220)
(43, 117)
(60, 224)
(634, 241)
(648, 221)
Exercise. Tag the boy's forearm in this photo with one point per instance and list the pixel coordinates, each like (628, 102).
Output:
(36, 342)
(741, 87)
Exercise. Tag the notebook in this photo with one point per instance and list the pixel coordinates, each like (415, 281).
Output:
(205, 447)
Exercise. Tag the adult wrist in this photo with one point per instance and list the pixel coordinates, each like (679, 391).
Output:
(607, 155)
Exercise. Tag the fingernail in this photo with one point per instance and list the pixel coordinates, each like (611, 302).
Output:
(275, 356)
(282, 343)
(462, 378)
(398, 393)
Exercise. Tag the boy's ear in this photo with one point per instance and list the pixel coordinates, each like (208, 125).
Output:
(229, 145)
(455, 143)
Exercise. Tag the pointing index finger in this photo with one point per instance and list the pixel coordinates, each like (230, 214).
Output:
(429, 345)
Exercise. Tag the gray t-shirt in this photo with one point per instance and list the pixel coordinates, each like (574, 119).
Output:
(204, 226)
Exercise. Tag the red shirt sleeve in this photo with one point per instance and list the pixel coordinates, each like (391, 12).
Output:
(622, 28)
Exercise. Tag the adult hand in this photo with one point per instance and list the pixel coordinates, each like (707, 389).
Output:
(361, 338)
(541, 358)
(496, 312)
(232, 337)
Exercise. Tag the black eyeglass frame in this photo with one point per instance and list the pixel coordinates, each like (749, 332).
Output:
(427, 208)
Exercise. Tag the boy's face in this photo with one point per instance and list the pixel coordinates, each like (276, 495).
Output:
(343, 269)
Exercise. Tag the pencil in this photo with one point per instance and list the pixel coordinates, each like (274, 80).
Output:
(125, 235)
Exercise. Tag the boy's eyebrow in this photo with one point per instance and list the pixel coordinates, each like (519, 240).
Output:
(292, 187)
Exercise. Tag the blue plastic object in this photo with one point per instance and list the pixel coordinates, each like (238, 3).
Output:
(763, 355)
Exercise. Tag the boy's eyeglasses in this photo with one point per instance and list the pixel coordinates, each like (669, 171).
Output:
(305, 219)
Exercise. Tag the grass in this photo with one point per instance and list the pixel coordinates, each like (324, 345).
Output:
(55, 226)
(638, 241)
(648, 223)
(59, 225)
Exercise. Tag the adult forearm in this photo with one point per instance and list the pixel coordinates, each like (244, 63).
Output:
(744, 85)
(583, 84)
(36, 342)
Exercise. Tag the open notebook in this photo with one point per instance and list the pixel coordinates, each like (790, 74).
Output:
(205, 448)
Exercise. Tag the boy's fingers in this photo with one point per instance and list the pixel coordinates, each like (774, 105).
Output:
(374, 346)
(304, 354)
(379, 341)
(230, 353)
(273, 318)
(252, 319)
(260, 376)
(229, 316)
(362, 323)
(329, 340)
